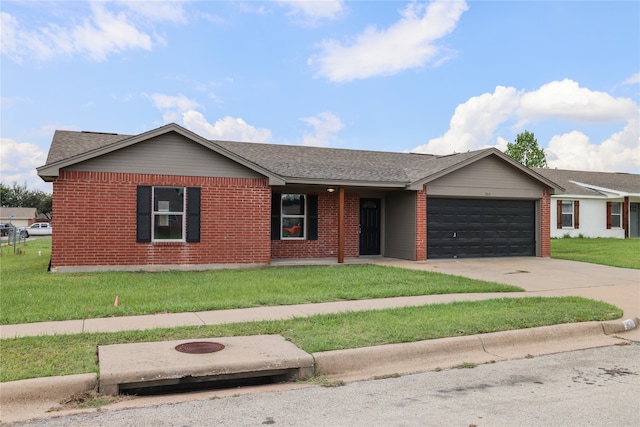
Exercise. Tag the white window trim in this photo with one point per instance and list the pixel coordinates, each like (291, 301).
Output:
(573, 213)
(155, 212)
(283, 216)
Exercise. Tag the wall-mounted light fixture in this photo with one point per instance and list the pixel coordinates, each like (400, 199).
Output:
(331, 189)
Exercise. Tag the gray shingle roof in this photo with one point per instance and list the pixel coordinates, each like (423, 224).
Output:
(295, 163)
(622, 182)
(67, 143)
(341, 164)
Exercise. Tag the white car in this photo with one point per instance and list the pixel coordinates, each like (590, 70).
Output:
(39, 229)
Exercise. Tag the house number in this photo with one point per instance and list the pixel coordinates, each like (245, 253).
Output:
(487, 194)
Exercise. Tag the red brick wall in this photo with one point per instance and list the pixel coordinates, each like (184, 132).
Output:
(95, 221)
(327, 243)
(545, 224)
(421, 224)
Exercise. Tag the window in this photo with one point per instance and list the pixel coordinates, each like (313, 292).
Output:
(168, 214)
(568, 214)
(291, 210)
(614, 215)
(293, 216)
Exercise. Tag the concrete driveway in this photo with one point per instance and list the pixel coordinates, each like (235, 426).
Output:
(548, 277)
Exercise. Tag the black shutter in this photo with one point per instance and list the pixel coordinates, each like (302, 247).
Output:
(193, 214)
(312, 217)
(143, 214)
(275, 216)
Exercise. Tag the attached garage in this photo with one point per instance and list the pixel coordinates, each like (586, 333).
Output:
(473, 228)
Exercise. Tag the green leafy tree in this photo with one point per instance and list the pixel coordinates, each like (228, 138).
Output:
(525, 150)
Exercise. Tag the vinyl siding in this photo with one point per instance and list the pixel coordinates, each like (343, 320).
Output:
(487, 178)
(400, 225)
(168, 154)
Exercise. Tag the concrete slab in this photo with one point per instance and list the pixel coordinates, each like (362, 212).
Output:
(139, 365)
(164, 320)
(248, 314)
(42, 328)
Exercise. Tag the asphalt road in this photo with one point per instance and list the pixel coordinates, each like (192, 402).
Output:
(595, 387)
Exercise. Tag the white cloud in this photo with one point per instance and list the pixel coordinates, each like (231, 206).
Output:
(325, 125)
(8, 29)
(228, 128)
(620, 152)
(167, 102)
(158, 10)
(409, 43)
(18, 162)
(313, 10)
(567, 100)
(635, 79)
(172, 107)
(101, 34)
(476, 124)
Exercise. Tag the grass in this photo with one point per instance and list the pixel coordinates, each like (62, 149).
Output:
(31, 294)
(31, 357)
(614, 252)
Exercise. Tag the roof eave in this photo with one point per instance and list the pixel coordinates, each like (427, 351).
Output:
(345, 183)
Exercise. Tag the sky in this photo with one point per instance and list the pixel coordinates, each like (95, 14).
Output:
(404, 76)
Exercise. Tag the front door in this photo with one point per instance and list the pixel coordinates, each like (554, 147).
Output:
(634, 220)
(370, 226)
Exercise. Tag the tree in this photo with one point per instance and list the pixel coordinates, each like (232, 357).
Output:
(19, 196)
(525, 150)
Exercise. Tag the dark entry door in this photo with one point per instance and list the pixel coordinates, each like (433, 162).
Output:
(369, 226)
(634, 220)
(467, 228)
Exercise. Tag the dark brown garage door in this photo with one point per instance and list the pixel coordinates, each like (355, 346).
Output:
(470, 228)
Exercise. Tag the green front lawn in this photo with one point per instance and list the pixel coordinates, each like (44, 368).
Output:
(614, 252)
(31, 294)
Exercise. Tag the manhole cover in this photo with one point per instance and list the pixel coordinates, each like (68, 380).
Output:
(199, 347)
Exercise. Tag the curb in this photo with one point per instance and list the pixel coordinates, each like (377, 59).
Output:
(386, 359)
(46, 388)
(615, 327)
(475, 349)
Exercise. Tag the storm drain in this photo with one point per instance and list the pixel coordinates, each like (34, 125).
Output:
(180, 366)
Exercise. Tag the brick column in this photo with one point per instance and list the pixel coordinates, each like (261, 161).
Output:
(545, 224)
(421, 224)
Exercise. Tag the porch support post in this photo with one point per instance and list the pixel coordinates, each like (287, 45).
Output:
(340, 225)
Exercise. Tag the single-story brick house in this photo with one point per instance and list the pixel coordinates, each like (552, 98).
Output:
(171, 199)
(594, 204)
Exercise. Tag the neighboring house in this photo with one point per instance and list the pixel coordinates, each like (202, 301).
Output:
(169, 199)
(594, 204)
(19, 217)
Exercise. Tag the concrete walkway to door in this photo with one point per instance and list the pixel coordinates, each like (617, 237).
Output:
(547, 277)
